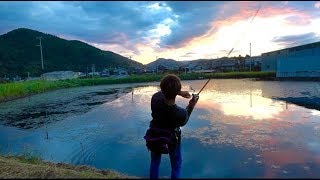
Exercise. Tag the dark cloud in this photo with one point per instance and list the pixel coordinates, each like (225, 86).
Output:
(194, 19)
(293, 40)
(96, 22)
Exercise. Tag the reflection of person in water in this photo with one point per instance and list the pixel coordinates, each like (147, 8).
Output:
(167, 118)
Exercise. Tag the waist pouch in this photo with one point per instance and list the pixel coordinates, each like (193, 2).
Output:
(158, 140)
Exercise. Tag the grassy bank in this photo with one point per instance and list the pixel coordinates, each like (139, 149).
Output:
(33, 167)
(10, 91)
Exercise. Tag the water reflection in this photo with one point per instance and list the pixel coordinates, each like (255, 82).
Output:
(247, 106)
(234, 131)
(315, 113)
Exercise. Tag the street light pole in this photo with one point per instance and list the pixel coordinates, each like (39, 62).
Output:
(41, 54)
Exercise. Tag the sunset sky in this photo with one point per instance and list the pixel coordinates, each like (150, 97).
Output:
(177, 30)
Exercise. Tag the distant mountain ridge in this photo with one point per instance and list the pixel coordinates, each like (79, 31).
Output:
(164, 62)
(171, 63)
(20, 55)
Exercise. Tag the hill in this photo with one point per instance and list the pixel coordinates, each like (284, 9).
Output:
(19, 54)
(165, 62)
(173, 64)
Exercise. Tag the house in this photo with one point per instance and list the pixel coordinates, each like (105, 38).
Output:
(120, 72)
(199, 65)
(188, 66)
(205, 71)
(81, 74)
(184, 68)
(252, 62)
(94, 74)
(136, 70)
(225, 64)
(16, 78)
(140, 70)
(105, 73)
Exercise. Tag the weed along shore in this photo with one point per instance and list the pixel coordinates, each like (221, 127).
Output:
(11, 91)
(33, 167)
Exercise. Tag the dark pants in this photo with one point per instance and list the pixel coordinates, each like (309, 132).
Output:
(175, 159)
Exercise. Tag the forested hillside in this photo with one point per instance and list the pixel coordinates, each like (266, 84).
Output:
(19, 54)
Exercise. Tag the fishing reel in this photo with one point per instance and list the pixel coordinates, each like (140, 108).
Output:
(192, 90)
(194, 95)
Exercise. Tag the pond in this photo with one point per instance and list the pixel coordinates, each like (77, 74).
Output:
(239, 128)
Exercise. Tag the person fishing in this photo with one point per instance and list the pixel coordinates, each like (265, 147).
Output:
(164, 133)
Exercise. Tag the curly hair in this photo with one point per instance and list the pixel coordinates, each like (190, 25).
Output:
(170, 86)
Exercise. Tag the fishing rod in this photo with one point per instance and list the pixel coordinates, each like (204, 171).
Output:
(197, 95)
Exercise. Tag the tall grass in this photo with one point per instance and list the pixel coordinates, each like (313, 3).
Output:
(9, 91)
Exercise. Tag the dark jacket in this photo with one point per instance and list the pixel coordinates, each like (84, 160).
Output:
(164, 131)
(166, 116)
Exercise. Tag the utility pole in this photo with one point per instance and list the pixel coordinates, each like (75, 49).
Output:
(41, 54)
(157, 63)
(250, 57)
(87, 71)
(93, 69)
(185, 70)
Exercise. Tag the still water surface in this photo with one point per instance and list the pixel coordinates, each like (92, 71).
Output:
(239, 128)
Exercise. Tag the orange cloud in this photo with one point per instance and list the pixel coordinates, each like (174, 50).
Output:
(239, 21)
(264, 12)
